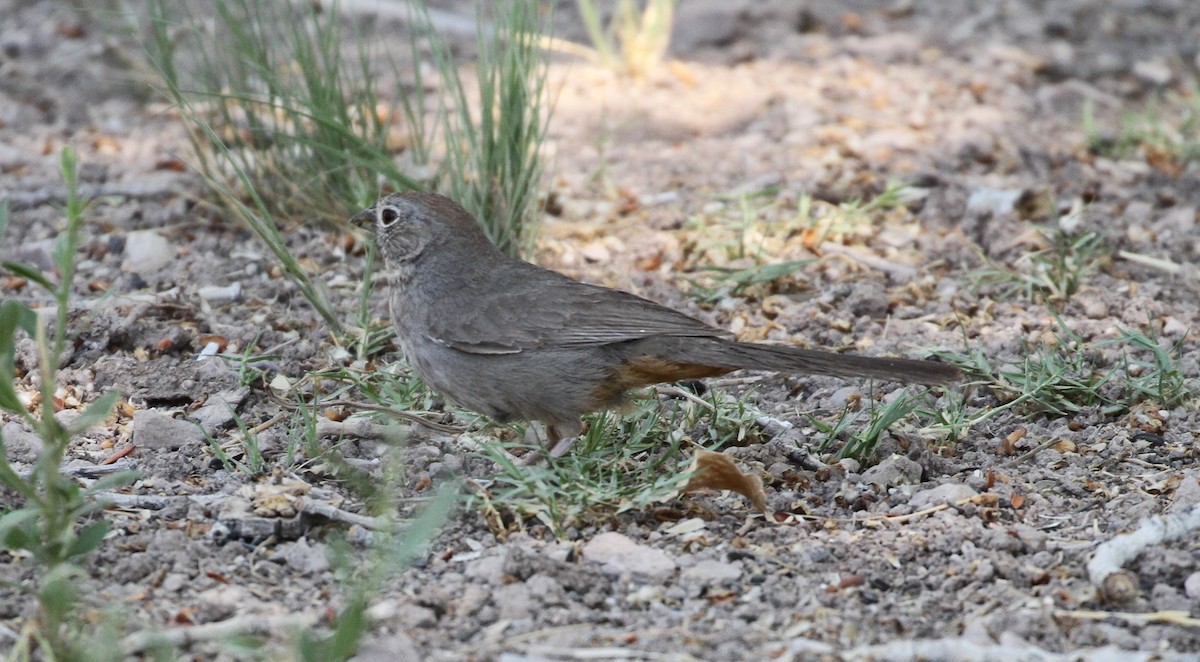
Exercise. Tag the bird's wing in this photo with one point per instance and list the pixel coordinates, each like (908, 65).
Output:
(539, 309)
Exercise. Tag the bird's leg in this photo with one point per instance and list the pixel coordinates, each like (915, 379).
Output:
(562, 437)
(534, 437)
(559, 439)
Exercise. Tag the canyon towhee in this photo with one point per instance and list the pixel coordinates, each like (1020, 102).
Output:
(512, 340)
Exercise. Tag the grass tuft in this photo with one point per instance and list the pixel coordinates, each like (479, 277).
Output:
(296, 116)
(634, 42)
(1068, 376)
(622, 462)
(1052, 274)
(1166, 134)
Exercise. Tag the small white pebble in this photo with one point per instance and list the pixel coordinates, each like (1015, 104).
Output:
(210, 349)
(216, 294)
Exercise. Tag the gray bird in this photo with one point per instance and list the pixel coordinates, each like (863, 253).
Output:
(515, 341)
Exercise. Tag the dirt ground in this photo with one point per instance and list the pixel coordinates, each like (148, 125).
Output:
(977, 106)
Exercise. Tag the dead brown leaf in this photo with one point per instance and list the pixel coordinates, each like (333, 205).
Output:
(172, 165)
(717, 471)
(1009, 445)
(1064, 446)
(1163, 160)
(221, 341)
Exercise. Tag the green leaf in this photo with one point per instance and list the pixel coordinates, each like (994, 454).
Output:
(29, 273)
(8, 395)
(88, 539)
(95, 412)
(13, 315)
(3, 218)
(770, 272)
(17, 529)
(58, 594)
(69, 167)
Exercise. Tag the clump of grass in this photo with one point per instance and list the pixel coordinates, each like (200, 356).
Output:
(760, 221)
(1053, 274)
(52, 523)
(622, 462)
(714, 284)
(853, 218)
(634, 42)
(1068, 376)
(495, 169)
(1166, 133)
(293, 115)
(861, 444)
(1156, 378)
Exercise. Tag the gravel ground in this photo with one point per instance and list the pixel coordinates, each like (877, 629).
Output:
(933, 550)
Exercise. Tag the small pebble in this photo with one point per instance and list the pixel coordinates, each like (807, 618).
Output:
(1191, 586)
(216, 295)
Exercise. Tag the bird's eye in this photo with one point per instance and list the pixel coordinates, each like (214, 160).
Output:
(388, 216)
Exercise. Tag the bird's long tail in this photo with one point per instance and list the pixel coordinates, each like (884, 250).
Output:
(784, 358)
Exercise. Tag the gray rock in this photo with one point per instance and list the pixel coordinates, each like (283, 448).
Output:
(397, 647)
(1187, 494)
(705, 23)
(947, 493)
(67, 416)
(1165, 597)
(710, 572)
(174, 581)
(488, 569)
(619, 555)
(1176, 225)
(896, 470)
(1138, 212)
(850, 465)
(218, 411)
(306, 558)
(415, 616)
(522, 657)
(161, 432)
(471, 599)
(1155, 72)
(515, 601)
(20, 443)
(37, 254)
(548, 590)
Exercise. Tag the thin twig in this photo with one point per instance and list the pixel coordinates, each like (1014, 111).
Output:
(675, 391)
(1162, 264)
(89, 471)
(331, 512)
(1031, 453)
(419, 420)
(1169, 617)
(124, 452)
(1105, 568)
(242, 625)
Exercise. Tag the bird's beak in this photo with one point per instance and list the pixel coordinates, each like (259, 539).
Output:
(364, 219)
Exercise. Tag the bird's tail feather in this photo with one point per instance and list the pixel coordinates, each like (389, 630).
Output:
(784, 358)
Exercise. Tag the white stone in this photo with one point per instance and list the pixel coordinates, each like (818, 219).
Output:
(146, 251)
